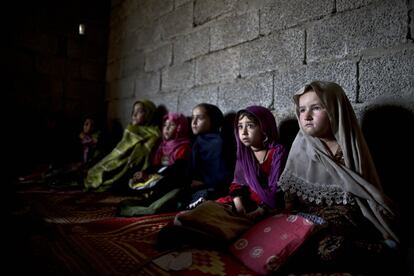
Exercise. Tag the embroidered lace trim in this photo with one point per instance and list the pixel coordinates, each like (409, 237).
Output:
(328, 194)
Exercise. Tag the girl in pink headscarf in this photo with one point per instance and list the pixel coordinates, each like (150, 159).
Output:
(176, 143)
(161, 184)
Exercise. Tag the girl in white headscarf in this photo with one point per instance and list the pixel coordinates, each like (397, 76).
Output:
(330, 173)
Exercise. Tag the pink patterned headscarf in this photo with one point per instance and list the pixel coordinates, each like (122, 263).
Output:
(180, 138)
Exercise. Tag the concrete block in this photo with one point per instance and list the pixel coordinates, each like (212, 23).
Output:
(257, 90)
(218, 67)
(187, 100)
(158, 58)
(132, 64)
(412, 23)
(244, 6)
(387, 75)
(343, 5)
(351, 33)
(178, 3)
(234, 30)
(128, 45)
(156, 8)
(272, 52)
(178, 77)
(136, 20)
(178, 21)
(191, 45)
(205, 10)
(147, 84)
(279, 15)
(168, 100)
(149, 35)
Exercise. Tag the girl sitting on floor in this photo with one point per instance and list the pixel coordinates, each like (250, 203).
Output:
(159, 186)
(132, 153)
(210, 175)
(254, 191)
(330, 173)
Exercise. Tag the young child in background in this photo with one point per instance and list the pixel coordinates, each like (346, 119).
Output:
(132, 153)
(161, 184)
(72, 173)
(92, 149)
(330, 173)
(254, 191)
(210, 174)
(89, 139)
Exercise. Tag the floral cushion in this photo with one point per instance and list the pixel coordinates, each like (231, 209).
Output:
(267, 245)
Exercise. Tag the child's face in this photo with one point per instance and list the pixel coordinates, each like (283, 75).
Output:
(250, 133)
(88, 126)
(313, 116)
(200, 121)
(138, 115)
(168, 129)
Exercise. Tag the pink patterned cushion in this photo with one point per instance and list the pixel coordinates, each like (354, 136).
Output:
(268, 244)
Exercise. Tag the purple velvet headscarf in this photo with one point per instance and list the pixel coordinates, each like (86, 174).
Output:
(247, 168)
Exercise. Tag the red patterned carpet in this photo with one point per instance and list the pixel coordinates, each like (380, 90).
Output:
(77, 233)
(80, 235)
(125, 246)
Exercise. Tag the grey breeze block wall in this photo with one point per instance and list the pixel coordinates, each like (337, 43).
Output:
(236, 53)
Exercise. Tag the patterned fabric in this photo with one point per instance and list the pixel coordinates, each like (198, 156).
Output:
(75, 233)
(215, 219)
(66, 207)
(267, 245)
(131, 153)
(123, 246)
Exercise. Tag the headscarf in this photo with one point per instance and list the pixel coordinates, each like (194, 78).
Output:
(150, 110)
(132, 152)
(179, 139)
(247, 168)
(313, 174)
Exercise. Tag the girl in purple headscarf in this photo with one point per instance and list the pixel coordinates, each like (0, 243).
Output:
(260, 162)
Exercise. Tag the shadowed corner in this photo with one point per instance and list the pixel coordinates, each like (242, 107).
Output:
(159, 115)
(287, 130)
(388, 131)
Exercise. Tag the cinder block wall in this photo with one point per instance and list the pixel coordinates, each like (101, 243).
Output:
(235, 53)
